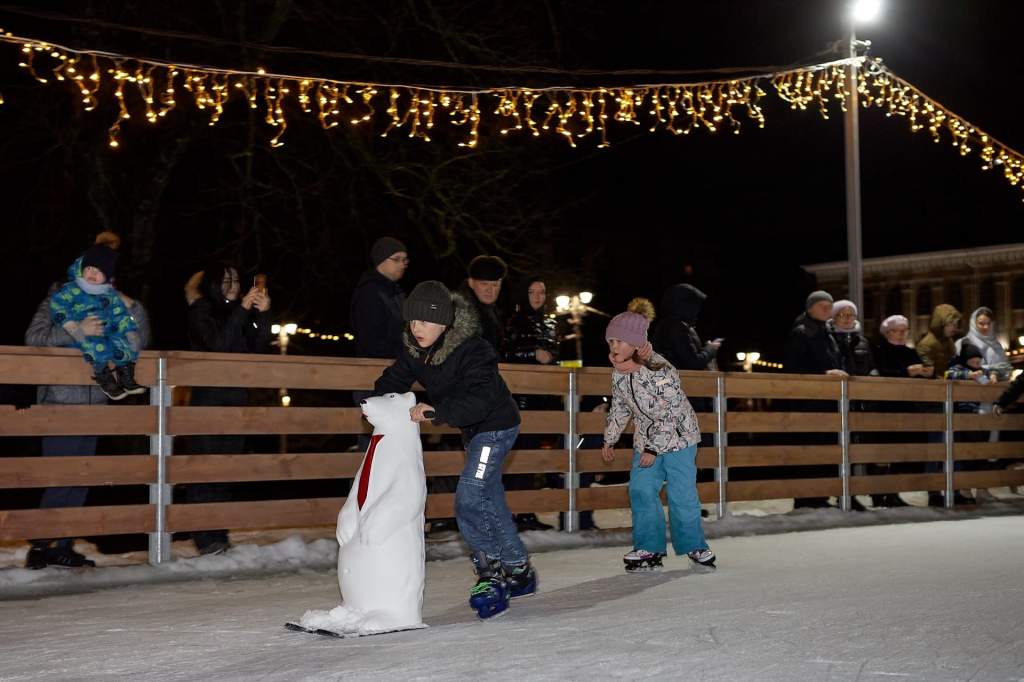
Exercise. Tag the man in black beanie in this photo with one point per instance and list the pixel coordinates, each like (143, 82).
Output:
(376, 308)
(482, 287)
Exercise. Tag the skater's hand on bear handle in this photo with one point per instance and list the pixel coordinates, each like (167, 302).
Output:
(647, 459)
(607, 453)
(419, 412)
(91, 326)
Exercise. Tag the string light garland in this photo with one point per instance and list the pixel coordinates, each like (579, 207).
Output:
(153, 88)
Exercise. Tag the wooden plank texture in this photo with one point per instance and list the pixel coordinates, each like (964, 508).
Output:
(42, 472)
(70, 522)
(78, 420)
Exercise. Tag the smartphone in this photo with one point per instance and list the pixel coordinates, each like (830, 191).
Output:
(259, 282)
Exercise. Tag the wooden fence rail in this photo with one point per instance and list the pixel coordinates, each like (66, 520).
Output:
(766, 436)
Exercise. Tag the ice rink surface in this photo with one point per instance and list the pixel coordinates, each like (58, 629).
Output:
(934, 601)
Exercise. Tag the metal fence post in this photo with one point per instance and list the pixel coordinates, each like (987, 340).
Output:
(160, 445)
(572, 476)
(844, 442)
(721, 443)
(948, 439)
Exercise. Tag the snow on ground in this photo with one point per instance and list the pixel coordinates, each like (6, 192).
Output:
(935, 601)
(267, 552)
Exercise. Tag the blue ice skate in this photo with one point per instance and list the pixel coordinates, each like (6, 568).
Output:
(490, 595)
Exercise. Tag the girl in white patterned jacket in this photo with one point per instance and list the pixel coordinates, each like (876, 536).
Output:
(646, 388)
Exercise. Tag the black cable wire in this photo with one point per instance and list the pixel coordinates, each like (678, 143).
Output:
(405, 61)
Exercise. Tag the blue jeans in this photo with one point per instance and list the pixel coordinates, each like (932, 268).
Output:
(680, 470)
(485, 520)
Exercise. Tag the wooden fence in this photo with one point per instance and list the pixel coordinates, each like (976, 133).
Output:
(791, 436)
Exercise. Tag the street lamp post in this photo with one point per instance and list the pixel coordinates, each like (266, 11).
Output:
(861, 10)
(576, 307)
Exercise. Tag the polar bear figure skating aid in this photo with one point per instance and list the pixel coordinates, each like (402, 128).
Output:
(380, 529)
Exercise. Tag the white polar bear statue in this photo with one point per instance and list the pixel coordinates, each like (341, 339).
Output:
(380, 530)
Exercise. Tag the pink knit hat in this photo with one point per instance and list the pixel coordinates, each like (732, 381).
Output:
(628, 327)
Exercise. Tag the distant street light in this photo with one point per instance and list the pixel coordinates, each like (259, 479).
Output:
(861, 11)
(576, 307)
(748, 359)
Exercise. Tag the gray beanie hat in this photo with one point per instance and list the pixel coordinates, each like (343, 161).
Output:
(430, 301)
(384, 248)
(817, 297)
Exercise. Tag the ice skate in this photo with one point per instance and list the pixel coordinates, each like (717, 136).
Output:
(641, 561)
(702, 559)
(490, 595)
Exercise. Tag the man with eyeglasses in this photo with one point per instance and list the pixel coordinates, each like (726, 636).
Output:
(376, 310)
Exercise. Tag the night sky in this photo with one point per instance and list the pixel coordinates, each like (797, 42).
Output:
(735, 215)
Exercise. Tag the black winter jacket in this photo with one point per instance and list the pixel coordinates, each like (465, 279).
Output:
(854, 351)
(376, 316)
(892, 360)
(460, 375)
(675, 337)
(492, 328)
(810, 349)
(1012, 392)
(527, 332)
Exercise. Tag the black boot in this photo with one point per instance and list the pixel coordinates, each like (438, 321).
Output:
(109, 384)
(66, 557)
(36, 557)
(126, 377)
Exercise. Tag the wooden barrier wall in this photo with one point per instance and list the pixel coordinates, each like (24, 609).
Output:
(771, 447)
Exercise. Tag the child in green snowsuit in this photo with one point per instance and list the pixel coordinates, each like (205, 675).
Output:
(112, 347)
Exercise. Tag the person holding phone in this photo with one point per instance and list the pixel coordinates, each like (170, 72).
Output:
(676, 338)
(222, 320)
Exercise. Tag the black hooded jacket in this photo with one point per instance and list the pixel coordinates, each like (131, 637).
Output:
(810, 349)
(854, 350)
(460, 375)
(675, 337)
(376, 316)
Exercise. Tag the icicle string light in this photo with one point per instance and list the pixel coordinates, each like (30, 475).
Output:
(151, 88)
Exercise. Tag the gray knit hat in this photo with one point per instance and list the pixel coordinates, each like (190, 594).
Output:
(384, 248)
(430, 301)
(817, 297)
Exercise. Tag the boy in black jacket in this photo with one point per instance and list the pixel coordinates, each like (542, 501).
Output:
(444, 352)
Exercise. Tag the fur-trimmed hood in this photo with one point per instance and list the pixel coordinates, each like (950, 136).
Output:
(465, 326)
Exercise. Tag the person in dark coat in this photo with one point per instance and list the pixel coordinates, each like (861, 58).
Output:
(894, 358)
(810, 349)
(531, 339)
(530, 335)
(218, 322)
(482, 288)
(445, 353)
(676, 338)
(376, 307)
(854, 348)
